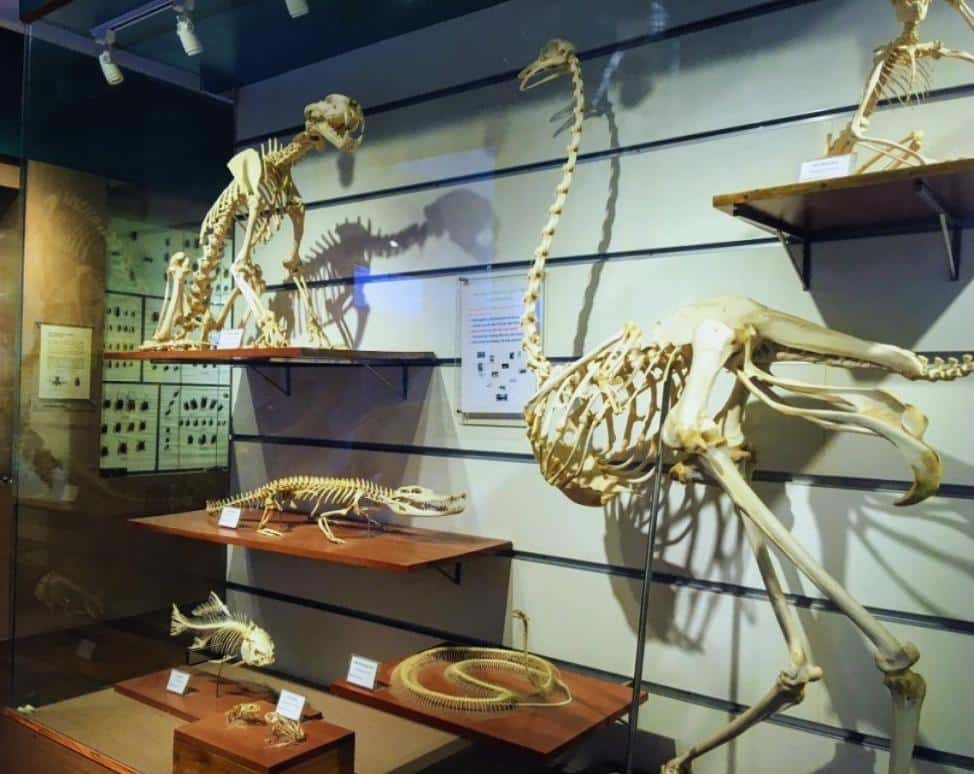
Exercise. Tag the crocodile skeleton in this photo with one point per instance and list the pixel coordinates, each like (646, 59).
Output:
(347, 494)
(263, 194)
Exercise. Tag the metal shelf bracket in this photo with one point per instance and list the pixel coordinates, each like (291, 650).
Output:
(282, 387)
(951, 229)
(788, 235)
(454, 577)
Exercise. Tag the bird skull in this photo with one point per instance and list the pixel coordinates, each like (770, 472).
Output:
(551, 63)
(911, 10)
(337, 119)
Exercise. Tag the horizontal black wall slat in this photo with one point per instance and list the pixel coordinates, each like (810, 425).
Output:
(711, 702)
(957, 491)
(510, 75)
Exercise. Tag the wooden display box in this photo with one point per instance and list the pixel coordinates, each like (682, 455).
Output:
(211, 745)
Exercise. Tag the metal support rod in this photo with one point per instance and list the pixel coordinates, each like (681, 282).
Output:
(637, 680)
(284, 389)
(948, 226)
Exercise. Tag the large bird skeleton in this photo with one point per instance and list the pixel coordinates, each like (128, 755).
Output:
(900, 71)
(262, 193)
(594, 426)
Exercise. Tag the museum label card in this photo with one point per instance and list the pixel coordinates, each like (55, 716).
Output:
(86, 650)
(229, 517)
(830, 166)
(64, 369)
(178, 682)
(362, 671)
(290, 705)
(230, 339)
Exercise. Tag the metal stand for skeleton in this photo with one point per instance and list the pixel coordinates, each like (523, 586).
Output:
(637, 679)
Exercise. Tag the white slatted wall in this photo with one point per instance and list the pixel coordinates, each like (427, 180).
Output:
(717, 104)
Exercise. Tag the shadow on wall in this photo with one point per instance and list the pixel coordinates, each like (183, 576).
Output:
(463, 217)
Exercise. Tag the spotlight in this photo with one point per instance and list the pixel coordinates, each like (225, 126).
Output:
(187, 34)
(111, 71)
(296, 7)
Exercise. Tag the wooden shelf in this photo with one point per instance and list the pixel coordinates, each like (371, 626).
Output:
(200, 699)
(278, 356)
(539, 731)
(935, 197)
(400, 549)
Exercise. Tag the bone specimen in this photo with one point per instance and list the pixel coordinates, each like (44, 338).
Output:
(284, 732)
(247, 713)
(347, 493)
(467, 668)
(233, 638)
(58, 592)
(900, 71)
(262, 191)
(595, 431)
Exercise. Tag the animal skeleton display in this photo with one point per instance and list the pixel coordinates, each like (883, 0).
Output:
(466, 667)
(900, 71)
(231, 637)
(347, 493)
(284, 732)
(594, 426)
(263, 191)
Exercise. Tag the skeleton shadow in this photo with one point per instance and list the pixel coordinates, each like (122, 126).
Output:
(340, 262)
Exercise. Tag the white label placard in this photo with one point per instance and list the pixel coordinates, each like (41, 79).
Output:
(230, 339)
(830, 166)
(494, 378)
(178, 682)
(290, 705)
(64, 369)
(362, 671)
(86, 649)
(229, 517)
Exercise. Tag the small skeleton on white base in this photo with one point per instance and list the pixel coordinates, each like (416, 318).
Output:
(594, 427)
(899, 71)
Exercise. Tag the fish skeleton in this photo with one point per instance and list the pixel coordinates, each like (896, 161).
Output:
(230, 636)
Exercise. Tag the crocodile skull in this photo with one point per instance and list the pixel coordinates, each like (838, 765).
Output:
(337, 119)
(551, 63)
(420, 501)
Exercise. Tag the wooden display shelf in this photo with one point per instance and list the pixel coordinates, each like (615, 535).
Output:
(935, 197)
(277, 356)
(538, 731)
(200, 699)
(400, 549)
(211, 745)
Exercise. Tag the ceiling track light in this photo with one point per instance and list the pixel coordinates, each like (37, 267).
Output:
(296, 7)
(185, 29)
(111, 71)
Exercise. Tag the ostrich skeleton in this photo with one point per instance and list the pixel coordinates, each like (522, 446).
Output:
(594, 426)
(263, 192)
(900, 71)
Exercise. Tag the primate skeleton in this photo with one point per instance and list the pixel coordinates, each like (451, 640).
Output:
(900, 71)
(594, 427)
(263, 193)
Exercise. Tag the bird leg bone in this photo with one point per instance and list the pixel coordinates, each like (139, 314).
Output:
(893, 659)
(964, 10)
(714, 345)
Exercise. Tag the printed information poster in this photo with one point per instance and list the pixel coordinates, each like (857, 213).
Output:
(65, 362)
(494, 379)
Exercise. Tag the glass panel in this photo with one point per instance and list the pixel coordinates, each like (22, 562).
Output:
(116, 181)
